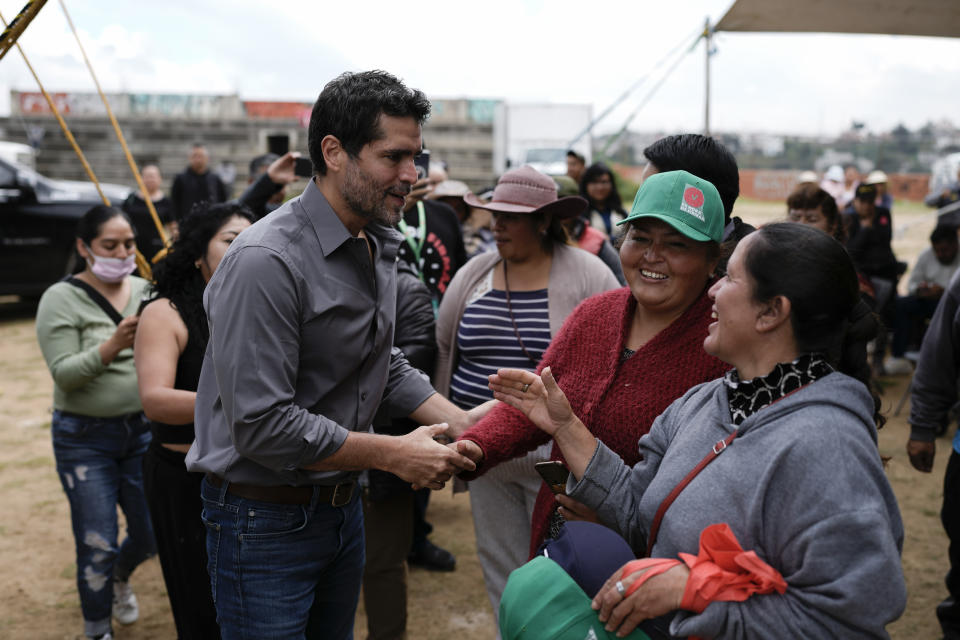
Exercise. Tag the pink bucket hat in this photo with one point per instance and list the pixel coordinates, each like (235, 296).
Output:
(526, 190)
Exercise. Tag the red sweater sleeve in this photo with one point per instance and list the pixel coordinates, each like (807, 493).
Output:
(505, 433)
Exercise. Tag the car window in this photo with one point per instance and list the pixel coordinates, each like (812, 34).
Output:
(7, 176)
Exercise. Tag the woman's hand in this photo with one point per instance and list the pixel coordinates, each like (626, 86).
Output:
(657, 596)
(542, 401)
(121, 339)
(572, 510)
(468, 449)
(539, 398)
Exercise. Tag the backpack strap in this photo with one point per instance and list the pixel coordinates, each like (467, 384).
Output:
(97, 297)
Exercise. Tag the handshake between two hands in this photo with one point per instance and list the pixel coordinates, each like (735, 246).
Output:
(431, 455)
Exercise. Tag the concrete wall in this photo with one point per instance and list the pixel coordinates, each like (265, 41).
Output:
(777, 185)
(160, 129)
(763, 184)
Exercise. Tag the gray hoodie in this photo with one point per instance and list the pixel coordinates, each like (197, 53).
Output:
(802, 485)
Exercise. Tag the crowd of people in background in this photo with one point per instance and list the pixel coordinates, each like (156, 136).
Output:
(229, 404)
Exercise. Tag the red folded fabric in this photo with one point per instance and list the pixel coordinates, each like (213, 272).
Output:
(724, 571)
(721, 571)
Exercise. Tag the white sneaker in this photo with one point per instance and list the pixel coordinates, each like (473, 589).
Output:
(125, 608)
(898, 366)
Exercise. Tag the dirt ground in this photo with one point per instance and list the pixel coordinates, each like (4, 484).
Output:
(38, 599)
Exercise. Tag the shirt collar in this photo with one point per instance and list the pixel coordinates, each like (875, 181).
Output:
(331, 232)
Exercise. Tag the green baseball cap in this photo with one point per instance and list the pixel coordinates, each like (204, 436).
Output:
(542, 601)
(687, 203)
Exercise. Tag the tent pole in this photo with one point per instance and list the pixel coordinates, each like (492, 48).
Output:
(706, 101)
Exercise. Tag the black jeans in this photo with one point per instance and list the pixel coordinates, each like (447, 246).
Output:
(421, 528)
(948, 611)
(173, 494)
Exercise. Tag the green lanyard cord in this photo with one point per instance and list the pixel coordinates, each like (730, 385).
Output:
(409, 233)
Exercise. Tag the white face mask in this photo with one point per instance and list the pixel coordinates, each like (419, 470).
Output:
(112, 270)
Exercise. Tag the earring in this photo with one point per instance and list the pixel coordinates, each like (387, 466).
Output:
(196, 264)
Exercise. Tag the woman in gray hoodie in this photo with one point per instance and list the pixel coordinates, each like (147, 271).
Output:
(800, 480)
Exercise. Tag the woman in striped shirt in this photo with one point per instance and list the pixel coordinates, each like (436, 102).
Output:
(501, 310)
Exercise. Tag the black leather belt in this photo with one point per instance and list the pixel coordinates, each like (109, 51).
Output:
(336, 495)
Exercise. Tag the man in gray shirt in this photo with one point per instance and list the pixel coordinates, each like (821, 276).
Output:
(301, 314)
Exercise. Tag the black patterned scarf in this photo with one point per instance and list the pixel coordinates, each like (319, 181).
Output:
(749, 396)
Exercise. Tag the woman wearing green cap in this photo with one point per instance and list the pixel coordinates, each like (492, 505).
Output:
(623, 356)
(782, 450)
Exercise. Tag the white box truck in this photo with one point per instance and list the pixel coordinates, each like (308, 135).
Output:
(539, 134)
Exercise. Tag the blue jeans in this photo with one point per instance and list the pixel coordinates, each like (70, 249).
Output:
(282, 571)
(100, 464)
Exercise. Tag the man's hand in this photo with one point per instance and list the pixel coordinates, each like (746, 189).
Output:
(479, 411)
(417, 193)
(423, 462)
(921, 454)
(281, 170)
(436, 409)
(459, 421)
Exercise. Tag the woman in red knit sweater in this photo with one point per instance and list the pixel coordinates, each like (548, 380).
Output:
(623, 356)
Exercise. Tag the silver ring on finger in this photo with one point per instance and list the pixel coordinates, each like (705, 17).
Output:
(620, 589)
(525, 387)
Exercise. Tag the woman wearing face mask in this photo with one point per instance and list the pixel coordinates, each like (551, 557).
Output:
(169, 350)
(85, 327)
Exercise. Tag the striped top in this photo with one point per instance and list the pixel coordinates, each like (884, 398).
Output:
(486, 341)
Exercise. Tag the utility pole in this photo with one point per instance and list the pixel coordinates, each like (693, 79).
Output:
(706, 99)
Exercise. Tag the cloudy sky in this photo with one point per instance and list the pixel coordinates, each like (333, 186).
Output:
(520, 50)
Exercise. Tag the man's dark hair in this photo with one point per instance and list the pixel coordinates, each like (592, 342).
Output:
(263, 160)
(810, 196)
(943, 233)
(579, 156)
(702, 156)
(349, 108)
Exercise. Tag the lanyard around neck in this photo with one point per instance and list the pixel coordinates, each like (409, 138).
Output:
(417, 247)
(409, 233)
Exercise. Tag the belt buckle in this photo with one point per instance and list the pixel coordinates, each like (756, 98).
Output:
(338, 491)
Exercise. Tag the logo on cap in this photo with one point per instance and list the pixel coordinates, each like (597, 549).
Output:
(693, 202)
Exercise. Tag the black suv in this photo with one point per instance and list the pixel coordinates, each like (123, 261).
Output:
(38, 223)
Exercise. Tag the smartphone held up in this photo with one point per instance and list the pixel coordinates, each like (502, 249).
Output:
(422, 162)
(554, 473)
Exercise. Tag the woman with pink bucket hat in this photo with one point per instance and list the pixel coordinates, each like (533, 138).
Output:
(502, 309)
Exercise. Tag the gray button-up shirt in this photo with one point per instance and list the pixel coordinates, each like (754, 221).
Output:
(301, 347)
